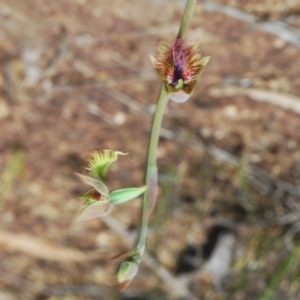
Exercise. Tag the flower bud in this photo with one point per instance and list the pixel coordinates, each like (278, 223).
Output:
(126, 273)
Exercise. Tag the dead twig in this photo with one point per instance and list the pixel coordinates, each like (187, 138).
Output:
(277, 28)
(283, 100)
(39, 248)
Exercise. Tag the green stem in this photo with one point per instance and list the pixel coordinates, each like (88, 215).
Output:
(187, 15)
(151, 176)
(152, 166)
(161, 103)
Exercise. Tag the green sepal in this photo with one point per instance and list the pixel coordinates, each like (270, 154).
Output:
(126, 194)
(189, 89)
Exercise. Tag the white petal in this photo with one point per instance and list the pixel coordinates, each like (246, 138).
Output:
(96, 210)
(179, 96)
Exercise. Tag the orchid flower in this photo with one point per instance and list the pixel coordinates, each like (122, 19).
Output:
(100, 200)
(179, 67)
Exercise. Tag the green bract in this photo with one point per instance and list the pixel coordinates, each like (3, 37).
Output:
(126, 194)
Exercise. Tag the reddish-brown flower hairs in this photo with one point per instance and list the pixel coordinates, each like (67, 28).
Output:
(180, 61)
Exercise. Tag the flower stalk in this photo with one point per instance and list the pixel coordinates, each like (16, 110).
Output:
(178, 67)
(151, 174)
(170, 66)
(186, 18)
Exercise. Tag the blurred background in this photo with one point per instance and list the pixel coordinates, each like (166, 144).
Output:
(75, 76)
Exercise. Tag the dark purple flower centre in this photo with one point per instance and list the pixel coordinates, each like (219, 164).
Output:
(95, 195)
(178, 53)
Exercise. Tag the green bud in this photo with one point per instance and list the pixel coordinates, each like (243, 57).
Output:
(126, 273)
(126, 194)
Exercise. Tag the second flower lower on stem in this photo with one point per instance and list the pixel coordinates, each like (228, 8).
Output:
(99, 200)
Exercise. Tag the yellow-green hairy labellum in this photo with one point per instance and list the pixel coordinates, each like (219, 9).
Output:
(126, 194)
(101, 160)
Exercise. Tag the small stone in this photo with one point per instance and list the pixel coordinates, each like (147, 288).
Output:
(47, 85)
(206, 132)
(7, 218)
(119, 118)
(291, 145)
(100, 275)
(106, 239)
(4, 109)
(279, 43)
(7, 296)
(219, 134)
(231, 112)
(167, 258)
(255, 158)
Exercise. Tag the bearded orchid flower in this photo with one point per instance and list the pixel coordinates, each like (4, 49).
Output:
(100, 200)
(179, 67)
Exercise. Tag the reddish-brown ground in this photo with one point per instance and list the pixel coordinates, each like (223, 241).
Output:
(75, 76)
